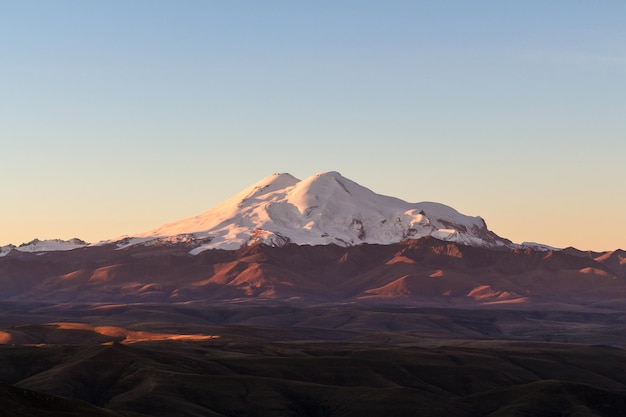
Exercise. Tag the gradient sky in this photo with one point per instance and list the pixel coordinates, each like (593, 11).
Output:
(118, 116)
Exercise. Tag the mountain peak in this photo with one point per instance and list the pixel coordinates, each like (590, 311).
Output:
(49, 245)
(329, 174)
(271, 183)
(325, 208)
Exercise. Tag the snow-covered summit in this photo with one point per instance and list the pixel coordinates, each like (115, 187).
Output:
(325, 208)
(49, 245)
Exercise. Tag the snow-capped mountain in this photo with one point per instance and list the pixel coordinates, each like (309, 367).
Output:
(323, 209)
(4, 250)
(50, 245)
(349, 245)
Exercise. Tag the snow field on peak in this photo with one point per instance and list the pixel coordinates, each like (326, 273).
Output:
(50, 245)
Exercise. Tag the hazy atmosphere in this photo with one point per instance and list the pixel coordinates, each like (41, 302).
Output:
(117, 117)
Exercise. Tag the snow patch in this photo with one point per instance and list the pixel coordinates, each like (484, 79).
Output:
(537, 247)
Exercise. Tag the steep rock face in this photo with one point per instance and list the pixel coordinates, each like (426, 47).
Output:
(323, 209)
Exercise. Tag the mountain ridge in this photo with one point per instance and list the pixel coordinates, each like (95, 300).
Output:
(425, 271)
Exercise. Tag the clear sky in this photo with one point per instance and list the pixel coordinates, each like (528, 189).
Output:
(118, 116)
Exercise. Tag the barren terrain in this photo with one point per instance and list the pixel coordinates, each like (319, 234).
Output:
(261, 359)
(421, 327)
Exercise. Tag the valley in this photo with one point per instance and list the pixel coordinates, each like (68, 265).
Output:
(258, 359)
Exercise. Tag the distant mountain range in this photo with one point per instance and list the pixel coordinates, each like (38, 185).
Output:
(425, 271)
(323, 239)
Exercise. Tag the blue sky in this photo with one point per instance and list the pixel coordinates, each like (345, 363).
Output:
(117, 116)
